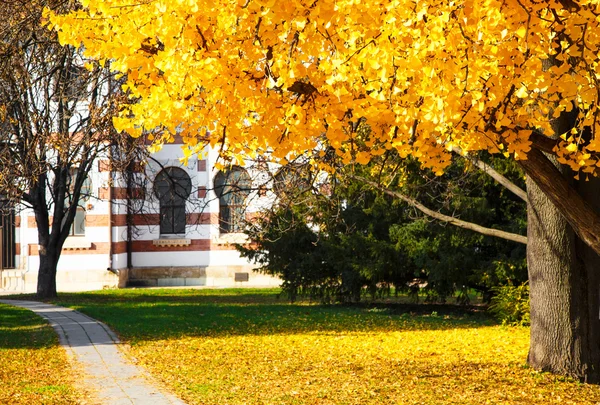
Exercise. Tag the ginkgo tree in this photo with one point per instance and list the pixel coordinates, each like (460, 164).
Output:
(518, 77)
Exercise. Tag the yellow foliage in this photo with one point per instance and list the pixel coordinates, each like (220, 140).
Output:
(34, 369)
(246, 346)
(471, 73)
(400, 364)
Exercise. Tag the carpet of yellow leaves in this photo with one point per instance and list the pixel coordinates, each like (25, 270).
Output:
(483, 365)
(229, 348)
(234, 347)
(33, 368)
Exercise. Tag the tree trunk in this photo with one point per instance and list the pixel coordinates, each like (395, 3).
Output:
(49, 253)
(46, 286)
(564, 280)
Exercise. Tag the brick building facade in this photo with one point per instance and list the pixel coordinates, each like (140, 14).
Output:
(178, 229)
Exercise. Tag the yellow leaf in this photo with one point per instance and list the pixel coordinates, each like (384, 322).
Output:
(522, 92)
(572, 147)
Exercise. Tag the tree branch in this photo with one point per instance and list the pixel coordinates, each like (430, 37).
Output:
(543, 143)
(445, 218)
(489, 170)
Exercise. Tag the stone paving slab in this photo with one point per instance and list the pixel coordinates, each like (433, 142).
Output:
(113, 379)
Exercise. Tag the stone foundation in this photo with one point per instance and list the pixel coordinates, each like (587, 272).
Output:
(82, 280)
(212, 276)
(66, 280)
(87, 280)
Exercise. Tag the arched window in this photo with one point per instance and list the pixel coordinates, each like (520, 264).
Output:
(232, 187)
(292, 180)
(172, 187)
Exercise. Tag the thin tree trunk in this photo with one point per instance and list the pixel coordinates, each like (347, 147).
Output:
(49, 249)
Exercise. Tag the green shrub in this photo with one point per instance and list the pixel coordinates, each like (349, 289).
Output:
(510, 304)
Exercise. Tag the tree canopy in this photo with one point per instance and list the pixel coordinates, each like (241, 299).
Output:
(263, 77)
(284, 77)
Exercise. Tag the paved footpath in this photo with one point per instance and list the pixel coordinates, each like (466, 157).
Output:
(107, 373)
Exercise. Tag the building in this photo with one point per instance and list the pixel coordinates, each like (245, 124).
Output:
(178, 229)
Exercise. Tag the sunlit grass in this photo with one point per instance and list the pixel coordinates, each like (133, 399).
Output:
(248, 347)
(33, 368)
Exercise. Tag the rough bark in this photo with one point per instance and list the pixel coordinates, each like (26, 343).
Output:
(46, 287)
(564, 282)
(48, 253)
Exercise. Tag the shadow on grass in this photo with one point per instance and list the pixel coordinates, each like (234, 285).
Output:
(139, 315)
(20, 328)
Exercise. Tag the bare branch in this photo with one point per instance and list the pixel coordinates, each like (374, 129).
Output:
(445, 218)
(489, 170)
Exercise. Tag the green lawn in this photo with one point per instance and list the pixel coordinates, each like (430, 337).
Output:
(33, 368)
(249, 347)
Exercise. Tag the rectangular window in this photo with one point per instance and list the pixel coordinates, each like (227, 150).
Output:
(232, 218)
(172, 187)
(78, 225)
(224, 218)
(232, 187)
(172, 219)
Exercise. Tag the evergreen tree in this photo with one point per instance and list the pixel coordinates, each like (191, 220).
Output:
(333, 243)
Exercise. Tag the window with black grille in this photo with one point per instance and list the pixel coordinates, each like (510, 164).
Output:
(172, 187)
(232, 187)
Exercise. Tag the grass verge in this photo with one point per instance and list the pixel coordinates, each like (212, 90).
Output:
(248, 347)
(33, 368)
